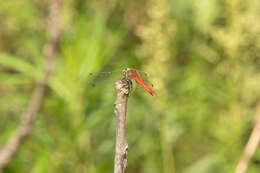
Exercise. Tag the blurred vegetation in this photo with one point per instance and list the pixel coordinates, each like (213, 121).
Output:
(203, 57)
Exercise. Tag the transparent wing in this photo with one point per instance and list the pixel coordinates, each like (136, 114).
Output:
(98, 78)
(146, 78)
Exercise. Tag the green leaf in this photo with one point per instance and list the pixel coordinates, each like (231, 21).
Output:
(19, 65)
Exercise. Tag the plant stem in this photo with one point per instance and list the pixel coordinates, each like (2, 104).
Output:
(121, 148)
(49, 51)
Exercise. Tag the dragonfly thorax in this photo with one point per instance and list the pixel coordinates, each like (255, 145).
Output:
(130, 73)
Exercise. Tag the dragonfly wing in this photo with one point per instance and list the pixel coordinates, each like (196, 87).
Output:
(95, 78)
(146, 78)
(99, 78)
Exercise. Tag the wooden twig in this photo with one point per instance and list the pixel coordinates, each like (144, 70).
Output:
(122, 90)
(251, 145)
(25, 128)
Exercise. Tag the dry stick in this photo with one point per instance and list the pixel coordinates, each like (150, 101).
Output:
(25, 128)
(122, 90)
(251, 145)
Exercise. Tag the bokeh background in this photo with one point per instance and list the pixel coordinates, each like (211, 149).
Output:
(202, 57)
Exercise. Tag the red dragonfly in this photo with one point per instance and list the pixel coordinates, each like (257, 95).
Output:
(129, 74)
(132, 74)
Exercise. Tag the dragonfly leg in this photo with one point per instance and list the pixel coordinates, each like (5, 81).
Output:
(130, 84)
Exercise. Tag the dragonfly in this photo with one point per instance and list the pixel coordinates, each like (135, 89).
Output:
(129, 74)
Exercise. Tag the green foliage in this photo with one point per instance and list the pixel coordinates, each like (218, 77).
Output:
(203, 55)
